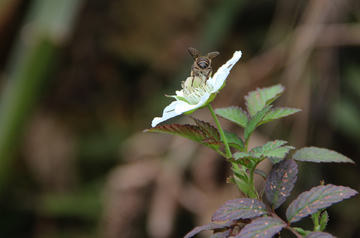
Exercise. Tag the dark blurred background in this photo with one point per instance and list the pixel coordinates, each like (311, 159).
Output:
(81, 80)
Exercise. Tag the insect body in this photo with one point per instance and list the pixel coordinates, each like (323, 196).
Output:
(202, 64)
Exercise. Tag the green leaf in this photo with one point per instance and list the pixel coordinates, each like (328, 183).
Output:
(317, 198)
(243, 208)
(323, 220)
(280, 182)
(264, 227)
(207, 227)
(244, 159)
(242, 180)
(279, 154)
(233, 114)
(318, 155)
(257, 100)
(253, 123)
(240, 174)
(278, 113)
(247, 163)
(268, 147)
(319, 234)
(274, 150)
(260, 173)
(301, 231)
(234, 141)
(241, 155)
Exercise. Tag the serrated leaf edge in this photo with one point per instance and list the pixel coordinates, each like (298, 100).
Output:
(307, 195)
(236, 122)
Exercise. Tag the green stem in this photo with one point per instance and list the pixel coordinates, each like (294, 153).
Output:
(252, 171)
(315, 218)
(247, 143)
(227, 148)
(252, 178)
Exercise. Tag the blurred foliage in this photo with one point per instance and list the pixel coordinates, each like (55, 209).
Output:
(82, 79)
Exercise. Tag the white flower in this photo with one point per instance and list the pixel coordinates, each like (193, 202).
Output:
(197, 93)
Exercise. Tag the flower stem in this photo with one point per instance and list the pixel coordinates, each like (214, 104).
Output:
(227, 148)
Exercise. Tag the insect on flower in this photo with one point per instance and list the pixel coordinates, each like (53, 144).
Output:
(202, 64)
(190, 98)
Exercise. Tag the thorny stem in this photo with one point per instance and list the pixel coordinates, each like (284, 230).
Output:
(227, 148)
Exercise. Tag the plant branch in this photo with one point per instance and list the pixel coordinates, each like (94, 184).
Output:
(227, 148)
(273, 214)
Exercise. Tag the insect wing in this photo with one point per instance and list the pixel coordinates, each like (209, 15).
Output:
(194, 52)
(213, 55)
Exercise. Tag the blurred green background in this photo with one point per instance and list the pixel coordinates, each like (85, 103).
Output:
(81, 79)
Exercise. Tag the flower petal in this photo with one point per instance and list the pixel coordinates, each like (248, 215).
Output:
(218, 80)
(169, 112)
(182, 106)
(180, 93)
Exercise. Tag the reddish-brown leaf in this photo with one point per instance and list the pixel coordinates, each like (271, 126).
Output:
(239, 209)
(317, 198)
